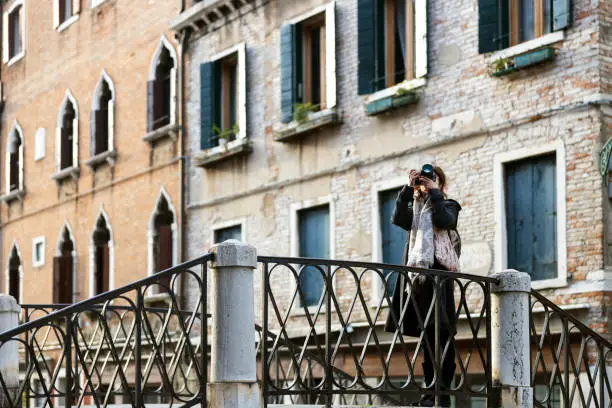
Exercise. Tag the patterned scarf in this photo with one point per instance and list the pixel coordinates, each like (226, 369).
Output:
(427, 243)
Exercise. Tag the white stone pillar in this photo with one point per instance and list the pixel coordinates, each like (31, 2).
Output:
(510, 348)
(9, 352)
(233, 356)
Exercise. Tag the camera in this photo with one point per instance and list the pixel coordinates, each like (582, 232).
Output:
(426, 171)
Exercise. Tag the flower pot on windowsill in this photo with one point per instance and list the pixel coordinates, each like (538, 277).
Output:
(507, 66)
(401, 98)
(314, 121)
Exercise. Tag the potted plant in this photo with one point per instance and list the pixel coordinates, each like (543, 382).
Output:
(302, 111)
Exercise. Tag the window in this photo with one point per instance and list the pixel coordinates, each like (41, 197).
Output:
(393, 238)
(102, 117)
(101, 242)
(14, 32)
(392, 42)
(161, 88)
(308, 62)
(163, 239)
(63, 267)
(504, 23)
(65, 12)
(224, 234)
(314, 242)
(14, 274)
(223, 98)
(14, 160)
(38, 252)
(67, 133)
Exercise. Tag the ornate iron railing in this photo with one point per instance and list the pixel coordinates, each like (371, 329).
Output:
(335, 349)
(132, 345)
(570, 361)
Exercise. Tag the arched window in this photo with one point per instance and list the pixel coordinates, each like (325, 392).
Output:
(102, 243)
(68, 133)
(162, 237)
(14, 274)
(102, 117)
(63, 269)
(14, 160)
(161, 88)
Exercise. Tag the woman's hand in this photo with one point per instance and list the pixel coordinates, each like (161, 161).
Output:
(430, 184)
(412, 177)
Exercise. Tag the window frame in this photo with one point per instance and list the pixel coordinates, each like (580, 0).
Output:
(236, 222)
(499, 182)
(104, 77)
(58, 252)
(92, 254)
(68, 97)
(151, 232)
(60, 25)
(7, 271)
(8, 59)
(377, 242)
(16, 130)
(37, 263)
(294, 240)
(165, 43)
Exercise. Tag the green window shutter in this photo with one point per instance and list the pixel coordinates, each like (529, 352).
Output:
(288, 77)
(562, 14)
(492, 25)
(207, 105)
(365, 45)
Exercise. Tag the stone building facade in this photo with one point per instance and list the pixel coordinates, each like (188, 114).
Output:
(99, 190)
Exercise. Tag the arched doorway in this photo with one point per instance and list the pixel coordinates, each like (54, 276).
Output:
(63, 267)
(14, 275)
(101, 246)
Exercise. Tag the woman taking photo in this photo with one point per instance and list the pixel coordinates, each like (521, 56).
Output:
(430, 220)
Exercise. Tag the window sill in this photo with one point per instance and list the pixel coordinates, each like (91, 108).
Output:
(16, 58)
(102, 158)
(12, 196)
(532, 45)
(549, 284)
(168, 131)
(210, 157)
(294, 130)
(67, 23)
(69, 172)
(510, 65)
(402, 94)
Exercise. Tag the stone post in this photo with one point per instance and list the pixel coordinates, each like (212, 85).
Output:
(510, 351)
(233, 356)
(9, 352)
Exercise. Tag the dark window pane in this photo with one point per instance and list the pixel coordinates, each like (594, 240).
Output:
(527, 20)
(313, 227)
(223, 234)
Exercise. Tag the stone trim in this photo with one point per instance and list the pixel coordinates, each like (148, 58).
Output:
(210, 157)
(101, 158)
(168, 131)
(13, 195)
(68, 172)
(317, 120)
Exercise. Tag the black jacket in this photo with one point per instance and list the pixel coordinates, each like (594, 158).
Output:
(444, 216)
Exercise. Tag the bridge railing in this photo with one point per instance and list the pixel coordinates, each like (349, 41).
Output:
(132, 345)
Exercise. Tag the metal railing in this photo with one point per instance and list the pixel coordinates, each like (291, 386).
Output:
(570, 361)
(336, 349)
(132, 345)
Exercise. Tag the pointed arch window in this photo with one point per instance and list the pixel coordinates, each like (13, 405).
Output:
(101, 254)
(102, 122)
(14, 160)
(67, 138)
(163, 244)
(14, 274)
(161, 88)
(63, 269)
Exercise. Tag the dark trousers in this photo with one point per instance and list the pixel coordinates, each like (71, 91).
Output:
(447, 362)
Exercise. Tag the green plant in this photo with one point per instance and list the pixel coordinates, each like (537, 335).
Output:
(225, 134)
(301, 111)
(403, 92)
(501, 64)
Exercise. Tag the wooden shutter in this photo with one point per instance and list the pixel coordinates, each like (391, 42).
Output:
(420, 38)
(5, 37)
(150, 107)
(14, 283)
(164, 251)
(562, 14)
(492, 18)
(392, 237)
(101, 131)
(330, 55)
(105, 268)
(161, 101)
(207, 104)
(366, 46)
(314, 243)
(57, 279)
(76, 7)
(288, 77)
(66, 279)
(65, 148)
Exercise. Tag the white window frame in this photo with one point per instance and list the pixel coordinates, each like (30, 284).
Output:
(96, 3)
(92, 254)
(164, 43)
(16, 130)
(241, 137)
(7, 270)
(501, 250)
(75, 129)
(237, 222)
(329, 10)
(377, 251)
(40, 144)
(58, 252)
(104, 77)
(22, 24)
(76, 12)
(37, 263)
(151, 232)
(294, 209)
